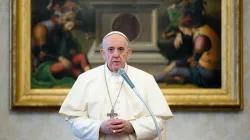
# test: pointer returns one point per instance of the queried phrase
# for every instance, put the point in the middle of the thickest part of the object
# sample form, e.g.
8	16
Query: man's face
115	51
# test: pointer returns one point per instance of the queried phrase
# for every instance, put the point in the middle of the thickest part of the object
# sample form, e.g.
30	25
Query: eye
110	50
121	50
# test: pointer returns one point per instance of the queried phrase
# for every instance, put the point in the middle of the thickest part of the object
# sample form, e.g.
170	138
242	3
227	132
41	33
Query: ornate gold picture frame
227	97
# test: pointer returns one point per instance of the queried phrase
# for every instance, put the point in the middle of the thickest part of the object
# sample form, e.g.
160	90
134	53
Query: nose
116	53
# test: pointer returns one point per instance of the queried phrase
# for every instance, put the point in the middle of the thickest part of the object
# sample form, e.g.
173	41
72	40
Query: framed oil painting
193	48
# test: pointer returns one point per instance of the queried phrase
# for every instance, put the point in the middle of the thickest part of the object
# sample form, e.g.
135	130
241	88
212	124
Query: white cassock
87	104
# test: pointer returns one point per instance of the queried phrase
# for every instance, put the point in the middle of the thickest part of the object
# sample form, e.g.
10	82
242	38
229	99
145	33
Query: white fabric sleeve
84	128
75	110
145	128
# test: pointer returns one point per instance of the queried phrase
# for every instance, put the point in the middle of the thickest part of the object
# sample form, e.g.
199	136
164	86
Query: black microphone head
121	71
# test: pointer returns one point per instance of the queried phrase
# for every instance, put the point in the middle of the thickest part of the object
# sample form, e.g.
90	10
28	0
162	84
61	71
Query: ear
102	53
129	52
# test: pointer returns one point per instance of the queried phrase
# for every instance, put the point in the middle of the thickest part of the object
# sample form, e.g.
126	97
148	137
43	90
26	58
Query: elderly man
101	106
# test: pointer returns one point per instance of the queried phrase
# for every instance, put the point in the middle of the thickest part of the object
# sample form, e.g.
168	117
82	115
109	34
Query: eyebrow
115	47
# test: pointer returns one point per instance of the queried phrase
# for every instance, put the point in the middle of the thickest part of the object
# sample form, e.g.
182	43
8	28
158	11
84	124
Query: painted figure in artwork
204	68
173	44
57	56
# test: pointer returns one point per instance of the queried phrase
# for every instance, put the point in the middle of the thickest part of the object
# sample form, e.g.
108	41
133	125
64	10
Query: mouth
116	62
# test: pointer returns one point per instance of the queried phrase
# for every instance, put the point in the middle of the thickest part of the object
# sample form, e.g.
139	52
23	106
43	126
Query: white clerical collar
110	73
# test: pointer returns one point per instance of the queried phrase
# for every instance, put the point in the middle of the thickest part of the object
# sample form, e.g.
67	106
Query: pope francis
102	106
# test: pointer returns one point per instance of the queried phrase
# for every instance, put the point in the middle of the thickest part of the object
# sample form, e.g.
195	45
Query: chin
116	68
